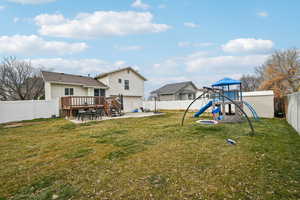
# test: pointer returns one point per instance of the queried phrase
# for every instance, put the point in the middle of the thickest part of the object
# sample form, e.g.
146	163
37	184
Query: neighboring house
175	91
127	82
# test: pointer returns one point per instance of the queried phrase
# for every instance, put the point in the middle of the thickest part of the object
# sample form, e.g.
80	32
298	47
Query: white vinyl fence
11	111
261	101
174	105
293	113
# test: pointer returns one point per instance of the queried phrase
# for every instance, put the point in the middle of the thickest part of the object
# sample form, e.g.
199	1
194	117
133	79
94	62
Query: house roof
226	81
173	88
85	81
119	70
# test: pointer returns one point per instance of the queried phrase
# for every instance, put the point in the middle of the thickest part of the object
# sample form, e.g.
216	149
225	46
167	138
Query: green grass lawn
149	158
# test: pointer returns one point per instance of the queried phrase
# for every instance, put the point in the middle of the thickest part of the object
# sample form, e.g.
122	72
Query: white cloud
46	19
224	63
140	4
203	68
129	48
195	44
77	66
23	20
184	44
191	24
247	45
204	44
2	7
35	45
137	68
31	1
99	23
120	63
263	14
160	81
175	66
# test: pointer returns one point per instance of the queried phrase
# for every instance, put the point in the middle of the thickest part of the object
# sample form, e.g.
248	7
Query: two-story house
127	82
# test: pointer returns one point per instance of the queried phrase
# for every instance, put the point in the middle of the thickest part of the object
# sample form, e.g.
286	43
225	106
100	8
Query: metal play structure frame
208	90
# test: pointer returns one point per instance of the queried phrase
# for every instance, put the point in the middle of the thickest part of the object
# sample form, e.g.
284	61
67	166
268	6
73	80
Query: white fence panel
261	101
174	105
293	113
262	104
11	111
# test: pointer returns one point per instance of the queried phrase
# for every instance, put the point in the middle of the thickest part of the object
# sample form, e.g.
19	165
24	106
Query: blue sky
166	40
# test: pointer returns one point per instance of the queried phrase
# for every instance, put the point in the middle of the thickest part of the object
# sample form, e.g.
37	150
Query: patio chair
80	115
90	114
99	113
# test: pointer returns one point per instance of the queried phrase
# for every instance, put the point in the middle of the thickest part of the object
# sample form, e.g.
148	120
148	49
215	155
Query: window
69	91
102	92
99	92
96	92
120	80
126	86
191	96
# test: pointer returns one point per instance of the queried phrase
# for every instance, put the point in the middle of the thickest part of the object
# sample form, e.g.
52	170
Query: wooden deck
81	102
71	104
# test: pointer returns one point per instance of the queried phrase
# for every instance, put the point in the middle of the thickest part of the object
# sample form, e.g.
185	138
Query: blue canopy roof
226	81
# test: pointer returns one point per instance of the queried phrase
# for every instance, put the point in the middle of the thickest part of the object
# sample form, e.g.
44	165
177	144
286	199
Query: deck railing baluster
69	103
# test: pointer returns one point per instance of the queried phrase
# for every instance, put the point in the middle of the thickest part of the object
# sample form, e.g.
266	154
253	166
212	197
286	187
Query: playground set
226	103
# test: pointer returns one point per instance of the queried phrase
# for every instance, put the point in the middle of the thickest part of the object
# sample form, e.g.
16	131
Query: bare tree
281	72
19	80
250	82
259	73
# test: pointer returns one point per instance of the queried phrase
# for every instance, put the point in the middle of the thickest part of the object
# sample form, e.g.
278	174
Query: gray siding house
175	91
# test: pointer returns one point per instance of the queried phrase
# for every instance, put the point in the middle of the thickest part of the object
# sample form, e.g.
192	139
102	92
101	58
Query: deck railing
70	102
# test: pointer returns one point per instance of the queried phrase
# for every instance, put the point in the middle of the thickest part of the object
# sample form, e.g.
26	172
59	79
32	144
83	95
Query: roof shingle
173	88
119	70
72	79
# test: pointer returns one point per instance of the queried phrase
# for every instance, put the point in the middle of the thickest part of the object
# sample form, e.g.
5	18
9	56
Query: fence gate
280	106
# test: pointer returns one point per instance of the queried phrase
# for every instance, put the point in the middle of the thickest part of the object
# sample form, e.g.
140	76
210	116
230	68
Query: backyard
149	158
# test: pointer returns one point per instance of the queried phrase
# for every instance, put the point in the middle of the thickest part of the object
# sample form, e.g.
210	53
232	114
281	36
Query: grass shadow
91	123
108	133
68	126
157	181
79	153
45	189
125	152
